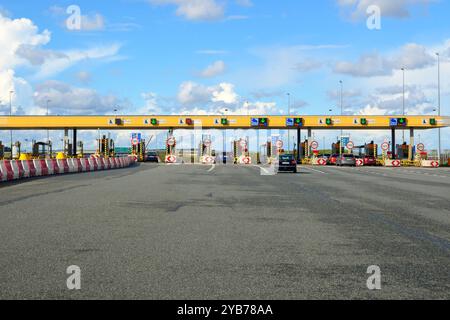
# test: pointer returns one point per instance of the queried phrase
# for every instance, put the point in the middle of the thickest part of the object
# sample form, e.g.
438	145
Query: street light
48	132
342	112
10	114
289	113
403	105
439	105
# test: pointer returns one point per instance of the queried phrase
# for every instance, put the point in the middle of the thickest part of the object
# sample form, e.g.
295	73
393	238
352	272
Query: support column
74	143
193	147
411	144
66	141
309	142
299	145
393	144
224	151
258	148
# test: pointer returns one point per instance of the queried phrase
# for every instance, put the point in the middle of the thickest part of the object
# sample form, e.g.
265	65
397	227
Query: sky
216	56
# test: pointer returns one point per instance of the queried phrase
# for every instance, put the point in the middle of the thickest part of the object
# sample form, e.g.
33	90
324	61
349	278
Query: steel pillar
393	146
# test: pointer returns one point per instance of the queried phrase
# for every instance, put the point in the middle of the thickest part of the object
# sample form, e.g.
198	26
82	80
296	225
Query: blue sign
290	122
136	136
345	140
393	122
255	122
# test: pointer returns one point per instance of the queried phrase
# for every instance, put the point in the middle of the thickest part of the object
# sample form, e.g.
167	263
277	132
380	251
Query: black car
287	163
152	156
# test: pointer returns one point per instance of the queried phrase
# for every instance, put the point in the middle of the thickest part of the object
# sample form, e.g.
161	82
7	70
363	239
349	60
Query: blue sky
197	56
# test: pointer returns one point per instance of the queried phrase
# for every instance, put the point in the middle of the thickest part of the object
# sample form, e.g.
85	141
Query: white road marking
212	168
315	170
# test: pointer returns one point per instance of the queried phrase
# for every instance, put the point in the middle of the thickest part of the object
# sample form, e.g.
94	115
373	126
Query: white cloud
66	99
83	76
411	56
389	8
92	22
213	70
225	93
200	10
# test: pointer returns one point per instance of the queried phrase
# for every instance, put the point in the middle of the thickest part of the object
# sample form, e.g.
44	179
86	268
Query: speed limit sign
385	146
421	147
207	142
350	145
279	144
243	144
171	141
314	145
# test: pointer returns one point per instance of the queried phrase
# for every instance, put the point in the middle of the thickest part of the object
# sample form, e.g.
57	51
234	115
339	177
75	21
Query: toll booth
335	148
138	150
80	149
2	150
41	150
105	147
403	151
371	149
15	152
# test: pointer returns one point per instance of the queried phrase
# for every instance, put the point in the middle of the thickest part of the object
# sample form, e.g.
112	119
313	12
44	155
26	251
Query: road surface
227	232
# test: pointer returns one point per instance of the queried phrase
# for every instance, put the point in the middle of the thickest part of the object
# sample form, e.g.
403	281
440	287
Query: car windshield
348	156
286	157
152	154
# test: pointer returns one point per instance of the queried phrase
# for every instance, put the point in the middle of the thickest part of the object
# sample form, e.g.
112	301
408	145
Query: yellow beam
210	122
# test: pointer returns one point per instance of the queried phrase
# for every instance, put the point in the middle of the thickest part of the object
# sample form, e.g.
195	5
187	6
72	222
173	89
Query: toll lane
189	232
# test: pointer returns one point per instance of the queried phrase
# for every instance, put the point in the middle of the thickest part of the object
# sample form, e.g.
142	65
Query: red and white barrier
359	162
30	169
171	159
429	164
392	163
19	169
7	171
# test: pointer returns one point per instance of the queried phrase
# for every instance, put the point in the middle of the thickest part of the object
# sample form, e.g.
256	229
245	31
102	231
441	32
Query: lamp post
289	113
403	103
48	132
342	112
10	114
439	105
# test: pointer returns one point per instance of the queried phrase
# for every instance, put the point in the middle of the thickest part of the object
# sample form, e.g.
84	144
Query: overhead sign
345	140
314	145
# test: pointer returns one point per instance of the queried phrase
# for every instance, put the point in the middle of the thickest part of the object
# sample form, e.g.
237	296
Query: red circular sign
279	144
385	146
134	141
420	147
314	145
171	142
207	142
350	145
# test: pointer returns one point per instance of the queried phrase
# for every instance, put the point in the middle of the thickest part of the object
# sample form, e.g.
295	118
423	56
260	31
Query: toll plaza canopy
148	122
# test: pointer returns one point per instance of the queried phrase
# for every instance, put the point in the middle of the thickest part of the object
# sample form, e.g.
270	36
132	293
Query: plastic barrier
7	171
52	166
429	164
41	167
392	163
18	170
85	164
64	165
359	162
170	159
100	163
30	169
94	163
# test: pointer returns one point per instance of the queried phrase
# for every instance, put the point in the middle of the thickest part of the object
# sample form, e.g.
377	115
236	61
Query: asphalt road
203	232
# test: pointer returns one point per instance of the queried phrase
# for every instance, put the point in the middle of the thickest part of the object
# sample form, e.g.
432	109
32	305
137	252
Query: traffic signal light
261	122
154	122
329	121
189	121
433	122
364	121
394	122
402	121
224	121
298	122
118	122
